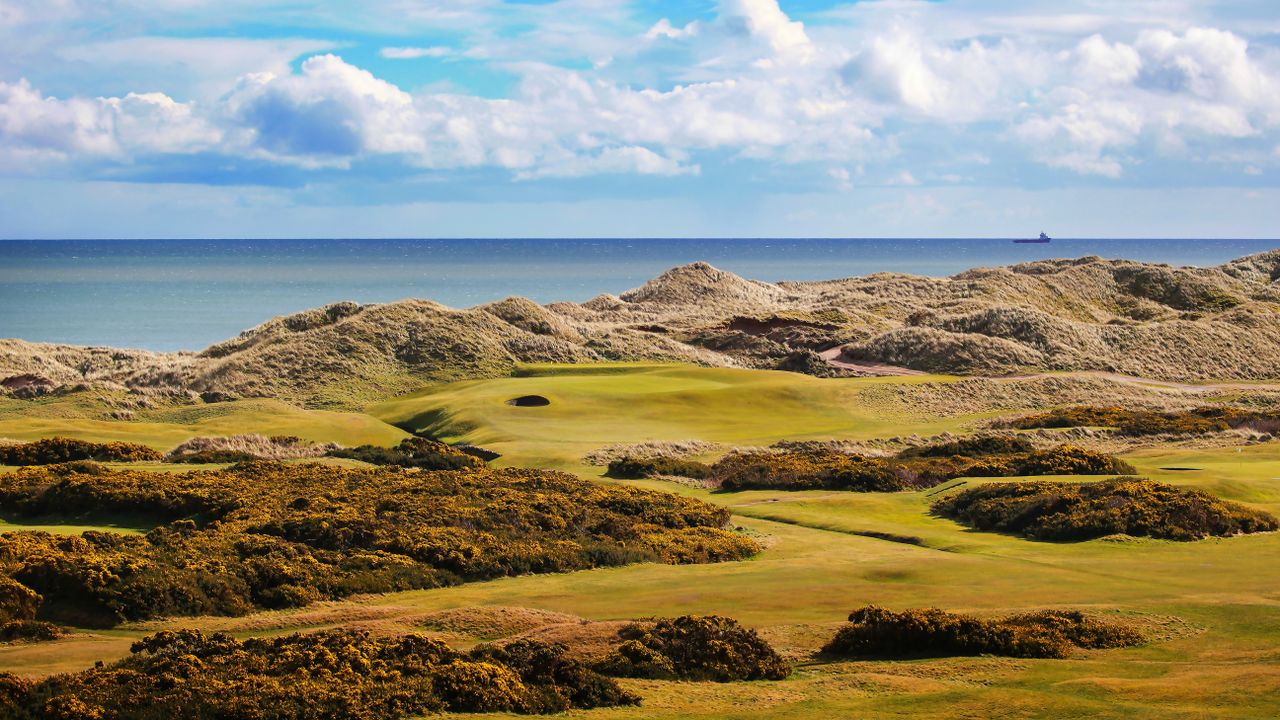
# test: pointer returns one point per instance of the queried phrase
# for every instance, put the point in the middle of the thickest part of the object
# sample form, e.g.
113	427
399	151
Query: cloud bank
889	93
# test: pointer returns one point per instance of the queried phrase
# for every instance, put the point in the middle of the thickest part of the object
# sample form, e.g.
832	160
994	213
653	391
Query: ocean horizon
170	295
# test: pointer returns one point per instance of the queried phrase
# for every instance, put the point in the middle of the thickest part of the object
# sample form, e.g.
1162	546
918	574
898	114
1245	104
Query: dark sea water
187	294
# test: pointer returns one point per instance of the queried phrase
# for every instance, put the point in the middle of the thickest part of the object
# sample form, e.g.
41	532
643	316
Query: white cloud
765	20
904	178
414	53
628	160
883	92
1100	62
331	110
149	123
961	83
664	29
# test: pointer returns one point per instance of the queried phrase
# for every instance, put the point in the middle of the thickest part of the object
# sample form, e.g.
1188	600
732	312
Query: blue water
187	294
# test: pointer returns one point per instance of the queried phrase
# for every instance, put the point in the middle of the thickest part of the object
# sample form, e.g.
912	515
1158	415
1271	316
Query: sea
188	294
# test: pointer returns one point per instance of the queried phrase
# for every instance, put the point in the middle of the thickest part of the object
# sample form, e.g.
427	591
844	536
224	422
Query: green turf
165	428
1213	607
594	406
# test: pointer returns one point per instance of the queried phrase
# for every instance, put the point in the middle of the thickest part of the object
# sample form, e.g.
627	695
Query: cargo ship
1042	239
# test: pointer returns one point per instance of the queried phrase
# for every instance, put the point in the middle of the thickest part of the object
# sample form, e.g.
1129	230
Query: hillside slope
1156	321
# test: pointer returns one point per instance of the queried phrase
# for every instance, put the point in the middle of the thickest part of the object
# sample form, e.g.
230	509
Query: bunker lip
529	401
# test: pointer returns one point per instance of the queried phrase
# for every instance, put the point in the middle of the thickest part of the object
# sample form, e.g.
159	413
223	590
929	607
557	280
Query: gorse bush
29	631
1083	511
975	447
629	468
875	632
270	535
412	453
1062	460
825	469
1197	421
60	450
694	647
331	675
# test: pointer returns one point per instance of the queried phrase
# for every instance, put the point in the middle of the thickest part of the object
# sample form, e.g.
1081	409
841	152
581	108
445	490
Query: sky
604	118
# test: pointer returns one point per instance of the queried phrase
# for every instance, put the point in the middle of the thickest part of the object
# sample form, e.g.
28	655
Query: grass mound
335	675
1084	511
239	448
694	647
413	453
913	469
270	535
879	633
55	450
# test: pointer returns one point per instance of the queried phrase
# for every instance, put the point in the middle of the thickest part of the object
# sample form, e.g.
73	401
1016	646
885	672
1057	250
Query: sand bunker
529	401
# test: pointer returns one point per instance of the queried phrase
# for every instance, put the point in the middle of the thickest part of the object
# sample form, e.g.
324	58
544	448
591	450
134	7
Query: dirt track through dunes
832	358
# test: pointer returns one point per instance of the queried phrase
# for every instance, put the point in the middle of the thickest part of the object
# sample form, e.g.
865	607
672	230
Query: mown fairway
1213	606
593	406
83	419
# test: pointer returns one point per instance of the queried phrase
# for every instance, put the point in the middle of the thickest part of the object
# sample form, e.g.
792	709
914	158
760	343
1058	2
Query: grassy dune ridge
1150	320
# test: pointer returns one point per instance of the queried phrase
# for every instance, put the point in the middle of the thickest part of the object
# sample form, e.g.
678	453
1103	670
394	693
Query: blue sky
462	118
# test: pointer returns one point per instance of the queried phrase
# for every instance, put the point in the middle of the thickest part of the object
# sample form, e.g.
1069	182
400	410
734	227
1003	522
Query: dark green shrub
879	633
694	647
50	451
213	457
629	468
412	453
1062	460
974	447
827	470
1197	421
1083	511
29	631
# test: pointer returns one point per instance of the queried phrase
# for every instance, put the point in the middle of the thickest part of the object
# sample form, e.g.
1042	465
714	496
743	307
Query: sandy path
832	358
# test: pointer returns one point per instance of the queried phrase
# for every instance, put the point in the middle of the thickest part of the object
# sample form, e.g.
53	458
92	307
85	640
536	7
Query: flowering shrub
913	469
60	450
330	675
875	632
1197	421
271	535
629	468
694	647
1082	511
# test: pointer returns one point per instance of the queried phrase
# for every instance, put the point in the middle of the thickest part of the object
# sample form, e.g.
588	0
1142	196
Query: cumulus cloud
753	84
765	20
149	123
329	110
1173	89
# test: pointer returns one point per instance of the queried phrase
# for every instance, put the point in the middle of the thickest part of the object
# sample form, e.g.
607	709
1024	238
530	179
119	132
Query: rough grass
252	446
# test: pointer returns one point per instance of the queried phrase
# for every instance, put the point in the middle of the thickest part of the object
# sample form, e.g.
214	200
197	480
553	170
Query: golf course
1208	610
